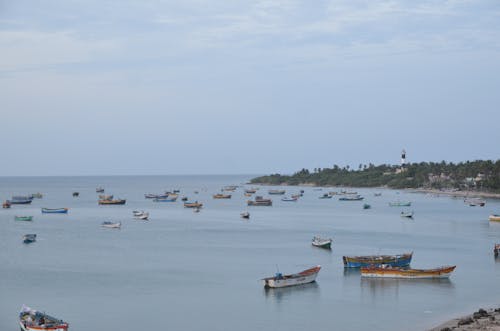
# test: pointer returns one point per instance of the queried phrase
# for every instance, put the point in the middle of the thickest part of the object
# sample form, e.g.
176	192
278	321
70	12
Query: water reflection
284	293
381	287
352	272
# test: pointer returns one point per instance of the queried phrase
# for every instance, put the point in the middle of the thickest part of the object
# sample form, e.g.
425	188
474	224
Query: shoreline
483	319
463	194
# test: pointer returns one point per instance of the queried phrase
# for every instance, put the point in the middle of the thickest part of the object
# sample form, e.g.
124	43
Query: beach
483	319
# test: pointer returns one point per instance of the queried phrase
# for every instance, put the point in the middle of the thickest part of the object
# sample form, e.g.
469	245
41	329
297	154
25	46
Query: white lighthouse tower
403	159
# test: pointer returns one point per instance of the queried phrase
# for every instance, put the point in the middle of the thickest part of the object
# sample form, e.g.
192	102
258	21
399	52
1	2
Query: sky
245	87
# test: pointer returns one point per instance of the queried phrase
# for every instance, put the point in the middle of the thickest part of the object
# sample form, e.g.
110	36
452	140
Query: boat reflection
390	287
352	272
284	293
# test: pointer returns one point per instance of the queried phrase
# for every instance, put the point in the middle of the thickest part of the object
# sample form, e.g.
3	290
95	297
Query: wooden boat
230	188
260	201
111	225
400	204
325	196
76	194
385	271
55	210
105	197
33	320
245	215
407	214
322	242
251	191
20	200
154	196
401	260
221	196
366	206
303	277
99	190
6	204
289	199
496	249
195	204
113	202
141	215
277	192
351	197
23	218
247	194
166	199
29	238
494	218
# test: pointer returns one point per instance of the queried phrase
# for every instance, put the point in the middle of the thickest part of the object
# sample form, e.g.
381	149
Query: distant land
476	176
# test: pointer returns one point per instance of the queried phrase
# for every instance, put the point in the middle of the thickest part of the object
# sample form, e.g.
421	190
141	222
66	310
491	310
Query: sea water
201	271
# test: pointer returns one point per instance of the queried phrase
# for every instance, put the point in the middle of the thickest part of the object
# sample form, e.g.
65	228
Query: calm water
183	270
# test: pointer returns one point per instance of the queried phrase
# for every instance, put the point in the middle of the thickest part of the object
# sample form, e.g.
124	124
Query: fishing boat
111	225
195	204
99	190
105	197
289	199
76	194
251	190
55	210
230	188
6	204
112	202
400	204
247	194
260	201
154	196
496	249
277	192
366	206
322	242
166	199
23	218
303	277
29	238
184	199
401	260
385	271
33	320
407	214
351	197
245	215
221	196
144	216
20	200
325	196
494	218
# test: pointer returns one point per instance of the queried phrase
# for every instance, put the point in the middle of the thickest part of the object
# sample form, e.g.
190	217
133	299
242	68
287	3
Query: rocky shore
484	320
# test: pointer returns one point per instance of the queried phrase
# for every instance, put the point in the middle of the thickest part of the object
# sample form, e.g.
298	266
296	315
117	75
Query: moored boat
166	199
303	277
141	215
221	196
105	197
195	204
322	242
36	195
112	202
385	271
325	196
289	199
277	192
366	206
20	200
33	320
230	188
99	190
400	260
494	218
351	197
245	215
111	225
55	210
407	214
260	201
251	190
496	250
23	218
76	194
6	204
29	238
400	204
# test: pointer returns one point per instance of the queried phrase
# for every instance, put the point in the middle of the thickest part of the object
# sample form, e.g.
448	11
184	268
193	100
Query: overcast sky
213	87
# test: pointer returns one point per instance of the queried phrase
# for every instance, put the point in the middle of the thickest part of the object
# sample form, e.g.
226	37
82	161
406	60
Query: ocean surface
201	271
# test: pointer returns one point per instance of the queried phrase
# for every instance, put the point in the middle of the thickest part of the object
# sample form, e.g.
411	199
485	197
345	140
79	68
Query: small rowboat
289	199
142	215
99	190
303	277
6	204
401	260
113	202
350	197
23	218
166	199
20	200
29	238
277	192
245	215
494	218
325	196
111	225
55	210
407	214
195	204
222	196
33	320
250	191
394	272
322	242
366	206
496	249
76	194
400	204
105	197
260	201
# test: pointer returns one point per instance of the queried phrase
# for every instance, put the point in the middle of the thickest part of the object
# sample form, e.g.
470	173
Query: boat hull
376	272
494	218
55	211
304	277
377	260
112	202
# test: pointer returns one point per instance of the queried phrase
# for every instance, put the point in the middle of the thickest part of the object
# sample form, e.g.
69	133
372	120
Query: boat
23	218
34	320
111	225
154	196
400	260
496	249
230	188
105	197
247	194
277	192
474	202
251	190
184	199
260	201
76	194
322	242
6	204
351	197
20	200
55	210
141	215
289	199
377	194
400	204
112	202
245	215
385	271
37	195
29	238
407	214
366	206
221	196
494	218
195	204
325	196
303	277
99	190
166	199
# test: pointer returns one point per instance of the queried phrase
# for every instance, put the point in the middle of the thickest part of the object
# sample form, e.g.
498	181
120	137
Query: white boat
407	214
141	215
303	277
289	199
34	320
322	242
111	225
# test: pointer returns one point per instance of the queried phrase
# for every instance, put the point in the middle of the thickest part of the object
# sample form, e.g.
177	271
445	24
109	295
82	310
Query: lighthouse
403	159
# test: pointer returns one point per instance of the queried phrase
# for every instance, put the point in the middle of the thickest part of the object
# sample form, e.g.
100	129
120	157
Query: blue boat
402	260
20	200
54	210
